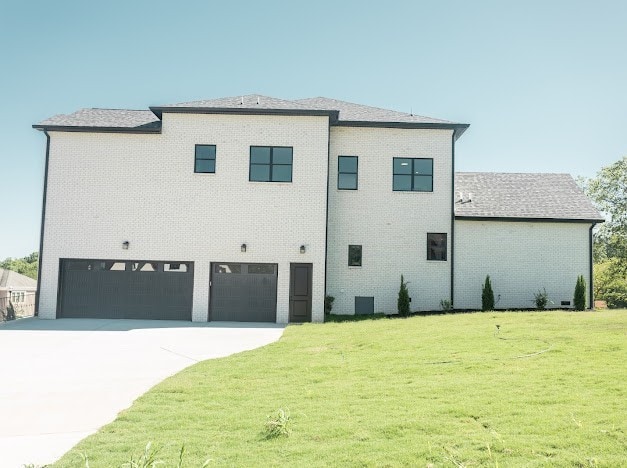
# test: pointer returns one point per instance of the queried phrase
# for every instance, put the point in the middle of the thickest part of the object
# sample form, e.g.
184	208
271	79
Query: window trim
361	255
445	259
196	158
270	164
343	172
412	175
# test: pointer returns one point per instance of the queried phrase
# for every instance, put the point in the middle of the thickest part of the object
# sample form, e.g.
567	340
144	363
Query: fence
24	306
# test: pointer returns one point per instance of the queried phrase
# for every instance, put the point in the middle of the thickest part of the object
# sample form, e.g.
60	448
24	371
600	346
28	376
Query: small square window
354	255
436	246
205	159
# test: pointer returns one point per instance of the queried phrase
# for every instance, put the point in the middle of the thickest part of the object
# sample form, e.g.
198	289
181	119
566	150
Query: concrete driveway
61	380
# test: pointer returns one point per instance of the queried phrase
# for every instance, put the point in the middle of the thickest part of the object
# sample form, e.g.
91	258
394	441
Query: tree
580	293
608	191
403	299
487	295
26	266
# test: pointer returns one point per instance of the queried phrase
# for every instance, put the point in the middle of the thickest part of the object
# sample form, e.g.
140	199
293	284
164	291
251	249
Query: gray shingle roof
359	113
150	119
517	195
105	118
11	279
251	101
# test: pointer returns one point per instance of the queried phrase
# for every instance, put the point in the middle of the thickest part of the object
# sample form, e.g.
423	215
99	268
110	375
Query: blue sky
542	83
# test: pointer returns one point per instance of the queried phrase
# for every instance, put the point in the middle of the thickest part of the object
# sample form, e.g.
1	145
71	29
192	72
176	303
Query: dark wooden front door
300	292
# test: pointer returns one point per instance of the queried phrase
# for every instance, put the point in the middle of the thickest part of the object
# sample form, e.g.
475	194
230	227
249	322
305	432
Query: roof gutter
458	129
71	128
43	219
160	110
452	242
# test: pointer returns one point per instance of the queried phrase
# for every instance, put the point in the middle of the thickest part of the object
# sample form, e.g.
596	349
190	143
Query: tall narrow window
270	164
205	160
413	175
436	246
347	172
354	255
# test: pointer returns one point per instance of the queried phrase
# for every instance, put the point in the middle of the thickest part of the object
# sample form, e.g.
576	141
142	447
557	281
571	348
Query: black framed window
354	255
347	172
270	164
413	175
205	159
436	246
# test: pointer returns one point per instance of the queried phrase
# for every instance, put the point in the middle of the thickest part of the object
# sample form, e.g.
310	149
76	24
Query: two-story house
253	208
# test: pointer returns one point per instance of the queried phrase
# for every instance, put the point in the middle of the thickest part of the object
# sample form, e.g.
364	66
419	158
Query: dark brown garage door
122	289
243	292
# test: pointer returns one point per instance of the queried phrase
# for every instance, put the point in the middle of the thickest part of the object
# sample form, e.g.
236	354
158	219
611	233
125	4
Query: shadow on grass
332	318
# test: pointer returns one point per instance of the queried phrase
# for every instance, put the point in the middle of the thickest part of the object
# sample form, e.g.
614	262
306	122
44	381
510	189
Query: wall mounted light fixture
125	245
303	249
243	248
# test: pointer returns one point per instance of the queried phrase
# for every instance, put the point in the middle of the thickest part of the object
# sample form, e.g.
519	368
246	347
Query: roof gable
522	196
14	280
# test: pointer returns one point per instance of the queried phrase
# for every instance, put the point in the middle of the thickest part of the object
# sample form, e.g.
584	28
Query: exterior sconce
125	245
243	248
303	249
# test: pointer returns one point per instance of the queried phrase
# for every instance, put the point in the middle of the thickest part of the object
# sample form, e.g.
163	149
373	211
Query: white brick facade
391	226
107	188
521	259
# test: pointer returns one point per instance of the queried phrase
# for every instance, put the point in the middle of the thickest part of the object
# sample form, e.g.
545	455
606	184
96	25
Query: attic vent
242	101
257	100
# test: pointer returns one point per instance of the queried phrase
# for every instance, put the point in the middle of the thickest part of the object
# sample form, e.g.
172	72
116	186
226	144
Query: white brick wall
104	189
391	226
521	259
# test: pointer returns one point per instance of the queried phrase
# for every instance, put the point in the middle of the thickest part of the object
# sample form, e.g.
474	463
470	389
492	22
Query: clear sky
542	83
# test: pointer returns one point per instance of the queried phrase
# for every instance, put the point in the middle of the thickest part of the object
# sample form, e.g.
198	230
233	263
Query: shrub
328	304
403	299
610	285
487	295
541	298
446	305
278	424
580	294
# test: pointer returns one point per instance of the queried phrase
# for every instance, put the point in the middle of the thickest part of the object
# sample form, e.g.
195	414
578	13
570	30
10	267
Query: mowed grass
545	389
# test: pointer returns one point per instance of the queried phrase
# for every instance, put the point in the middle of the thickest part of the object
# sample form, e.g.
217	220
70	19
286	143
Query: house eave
458	128
528	219
158	111
92	129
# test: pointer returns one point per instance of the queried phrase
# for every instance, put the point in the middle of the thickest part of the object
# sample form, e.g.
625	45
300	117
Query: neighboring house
18	291
252	208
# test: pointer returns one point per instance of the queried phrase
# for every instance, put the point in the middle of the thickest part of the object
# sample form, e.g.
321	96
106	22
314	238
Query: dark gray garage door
126	289
243	292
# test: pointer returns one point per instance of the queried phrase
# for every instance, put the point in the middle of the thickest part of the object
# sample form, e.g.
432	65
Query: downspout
326	233
452	242
41	231
591	261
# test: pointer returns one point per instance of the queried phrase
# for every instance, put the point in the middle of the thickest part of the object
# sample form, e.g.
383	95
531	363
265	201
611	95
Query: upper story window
413	174
354	255
347	172
436	246
270	164
205	159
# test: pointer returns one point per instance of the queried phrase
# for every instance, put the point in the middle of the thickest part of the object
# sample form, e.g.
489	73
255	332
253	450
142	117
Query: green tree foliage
403	299
608	286
26	266
580	293
608	191
487	295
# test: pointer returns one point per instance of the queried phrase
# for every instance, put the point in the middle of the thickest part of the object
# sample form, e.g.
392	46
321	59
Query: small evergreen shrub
541	298
446	305
580	293
487	295
403	299
328	304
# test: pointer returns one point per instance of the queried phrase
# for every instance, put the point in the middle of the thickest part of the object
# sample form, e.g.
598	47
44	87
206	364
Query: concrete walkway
61	380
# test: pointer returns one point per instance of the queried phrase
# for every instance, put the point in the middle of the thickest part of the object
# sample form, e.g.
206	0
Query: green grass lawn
549	389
